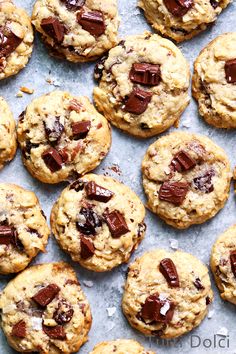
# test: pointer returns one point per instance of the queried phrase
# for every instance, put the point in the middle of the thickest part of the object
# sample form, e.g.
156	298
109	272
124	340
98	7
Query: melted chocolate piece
178	8
54	132
230	71
182	162
99	67
52	159
96	192
138	101
87	248
198	284
151	310
233	262
63	313
169	271
80	129
173	192
8	42
6	235
53	28
208	300
27	149
73	5
145	74
46	295
204	182
92	21
116	223
214	3
90	223
56	332
77	185
19	329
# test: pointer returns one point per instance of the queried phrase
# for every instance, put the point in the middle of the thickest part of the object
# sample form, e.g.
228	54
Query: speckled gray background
128	152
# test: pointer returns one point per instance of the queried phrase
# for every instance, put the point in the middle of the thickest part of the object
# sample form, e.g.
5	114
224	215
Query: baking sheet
104	291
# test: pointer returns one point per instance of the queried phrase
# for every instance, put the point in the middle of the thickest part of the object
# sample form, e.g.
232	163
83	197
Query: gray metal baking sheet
104	291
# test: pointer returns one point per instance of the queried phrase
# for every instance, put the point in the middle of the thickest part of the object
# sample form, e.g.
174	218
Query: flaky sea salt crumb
174	244
223	331
111	311
88	283
210	314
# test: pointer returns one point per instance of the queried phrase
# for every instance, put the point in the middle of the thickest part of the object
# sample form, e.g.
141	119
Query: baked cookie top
8	143
44	310
143	85
62	136
23	228
16	39
99	222
78	30
182	19
214	81
166	294
120	346
186	178
223	264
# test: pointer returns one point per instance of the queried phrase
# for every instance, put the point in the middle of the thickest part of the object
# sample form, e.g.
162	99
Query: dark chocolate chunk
178	8
53	131
182	162
19	329
204	182
99	67
77	185
138	101
52	159
6	235
214	3
116	223
63	313
173	192
73	5
145	74
16	241
56	332
80	129
8	42
230	71
27	149
92	21
151	310
75	106
198	284
233	262
96	192
89	221
21	116
46	295
53	28
208	300
87	248
169	271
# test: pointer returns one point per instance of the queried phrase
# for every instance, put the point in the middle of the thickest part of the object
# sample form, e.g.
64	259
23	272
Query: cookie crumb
26	90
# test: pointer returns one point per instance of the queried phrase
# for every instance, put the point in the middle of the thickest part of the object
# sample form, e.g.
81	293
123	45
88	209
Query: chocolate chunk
16	241
75	106
8	42
214	3
52	159
88	222
145	74
178	8
92	21
152	308
96	192
204	182
19	329
80	129
197	283
138	101
182	162
27	149
169	271
63	313
77	185
87	248
116	223
173	192
56	332
53	129
230	71
73	5
6	235
208	300
99	67
233	262
46	295
53	28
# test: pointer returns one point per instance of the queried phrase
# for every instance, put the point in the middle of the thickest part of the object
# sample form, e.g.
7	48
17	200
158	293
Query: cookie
77	30
8	143
223	264
143	87
44	310
99	222
214	81
120	346
166	294
16	39
182	19
186	178
62	137
23	229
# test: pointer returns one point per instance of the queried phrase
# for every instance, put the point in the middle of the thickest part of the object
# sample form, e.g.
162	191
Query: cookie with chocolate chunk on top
99	222
186	178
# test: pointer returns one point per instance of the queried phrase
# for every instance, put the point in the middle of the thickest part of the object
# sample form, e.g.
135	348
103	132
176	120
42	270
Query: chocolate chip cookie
16	39
99	222
143	87
8	143
182	19
23	228
120	346
214	81
186	178
44	310
62	137
166	294
223	264
78	30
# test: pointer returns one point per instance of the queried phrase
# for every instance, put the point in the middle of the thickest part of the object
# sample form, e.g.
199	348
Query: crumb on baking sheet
26	90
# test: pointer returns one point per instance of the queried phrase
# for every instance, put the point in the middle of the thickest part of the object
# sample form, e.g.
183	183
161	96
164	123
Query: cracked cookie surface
77	30
186	178
99	222
44	310
166	294
143	87
214	81
62	136
120	346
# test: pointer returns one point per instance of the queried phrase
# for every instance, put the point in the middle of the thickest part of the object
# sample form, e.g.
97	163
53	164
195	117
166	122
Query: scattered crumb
111	311
26	90
53	82
19	94
210	314
174	244
223	331
111	326
113	168
88	283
